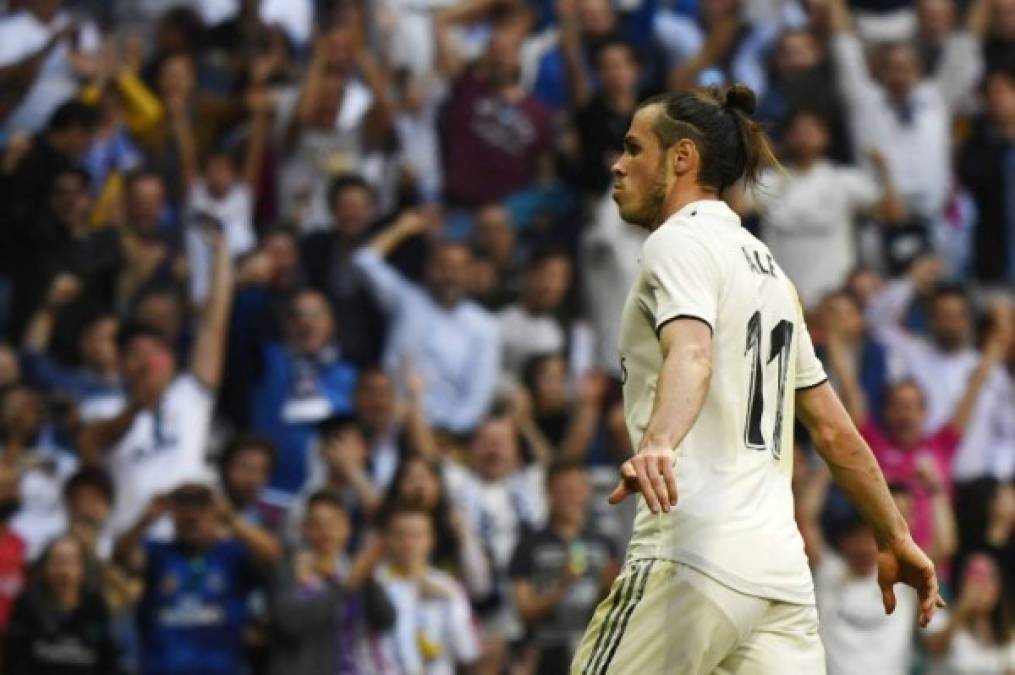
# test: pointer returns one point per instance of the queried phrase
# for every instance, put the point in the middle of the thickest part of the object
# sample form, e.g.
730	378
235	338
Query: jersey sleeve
809	371
684	277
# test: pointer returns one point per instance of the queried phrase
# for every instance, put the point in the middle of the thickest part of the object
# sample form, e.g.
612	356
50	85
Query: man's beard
648	216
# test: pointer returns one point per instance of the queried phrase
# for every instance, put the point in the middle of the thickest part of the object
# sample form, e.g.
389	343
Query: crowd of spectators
309	310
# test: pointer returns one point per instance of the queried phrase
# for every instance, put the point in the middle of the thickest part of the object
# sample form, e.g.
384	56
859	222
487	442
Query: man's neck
679	198
567	529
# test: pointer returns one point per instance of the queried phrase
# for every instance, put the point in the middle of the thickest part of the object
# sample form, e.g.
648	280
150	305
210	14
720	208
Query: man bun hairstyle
741	97
732	146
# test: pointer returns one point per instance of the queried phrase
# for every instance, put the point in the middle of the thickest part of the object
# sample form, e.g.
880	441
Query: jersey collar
711	210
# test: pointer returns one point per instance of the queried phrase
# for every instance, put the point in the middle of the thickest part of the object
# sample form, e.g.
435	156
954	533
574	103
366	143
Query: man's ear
685	157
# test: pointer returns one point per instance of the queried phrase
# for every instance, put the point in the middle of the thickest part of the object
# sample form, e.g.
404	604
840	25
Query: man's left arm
686	345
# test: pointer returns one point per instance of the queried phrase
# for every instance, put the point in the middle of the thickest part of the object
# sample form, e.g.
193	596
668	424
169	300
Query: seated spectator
974	636
809	209
160	435
194	608
328	613
303	381
453	343
342	469
418	483
434	630
561	573
95	383
943	363
60	626
498	137
901	445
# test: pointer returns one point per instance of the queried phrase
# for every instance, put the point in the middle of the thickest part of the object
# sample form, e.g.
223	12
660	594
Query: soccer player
716	359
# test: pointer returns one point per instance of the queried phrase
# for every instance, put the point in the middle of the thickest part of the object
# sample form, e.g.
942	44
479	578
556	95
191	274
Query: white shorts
663	617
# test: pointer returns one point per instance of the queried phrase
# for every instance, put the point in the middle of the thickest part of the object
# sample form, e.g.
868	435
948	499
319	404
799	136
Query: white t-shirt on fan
163	448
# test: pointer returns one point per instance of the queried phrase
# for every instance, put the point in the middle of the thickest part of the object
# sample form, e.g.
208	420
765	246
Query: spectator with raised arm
196	586
329	614
809	209
498	136
304	380
906	112
454	343
161	433
434	629
95	383
502	498
859	638
717	46
419	484
903	447
943	363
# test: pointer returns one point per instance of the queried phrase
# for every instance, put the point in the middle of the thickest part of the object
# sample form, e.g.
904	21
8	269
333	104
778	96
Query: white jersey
163	448
734	518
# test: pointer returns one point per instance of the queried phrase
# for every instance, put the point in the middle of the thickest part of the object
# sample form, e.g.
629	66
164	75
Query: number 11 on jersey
780	339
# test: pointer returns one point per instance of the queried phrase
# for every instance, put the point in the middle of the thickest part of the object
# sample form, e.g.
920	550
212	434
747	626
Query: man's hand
904	562
63	290
649	472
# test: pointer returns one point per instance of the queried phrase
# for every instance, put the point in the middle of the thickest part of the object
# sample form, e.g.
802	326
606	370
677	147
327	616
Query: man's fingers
671	481
888	598
646	488
619	493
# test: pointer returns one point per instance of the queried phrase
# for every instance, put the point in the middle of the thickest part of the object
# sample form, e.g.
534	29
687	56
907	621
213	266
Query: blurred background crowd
308	314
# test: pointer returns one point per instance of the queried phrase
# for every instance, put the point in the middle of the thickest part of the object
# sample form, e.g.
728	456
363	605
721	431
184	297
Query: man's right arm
856	471
387	284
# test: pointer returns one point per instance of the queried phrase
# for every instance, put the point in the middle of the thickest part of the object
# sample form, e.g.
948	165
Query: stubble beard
647	216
